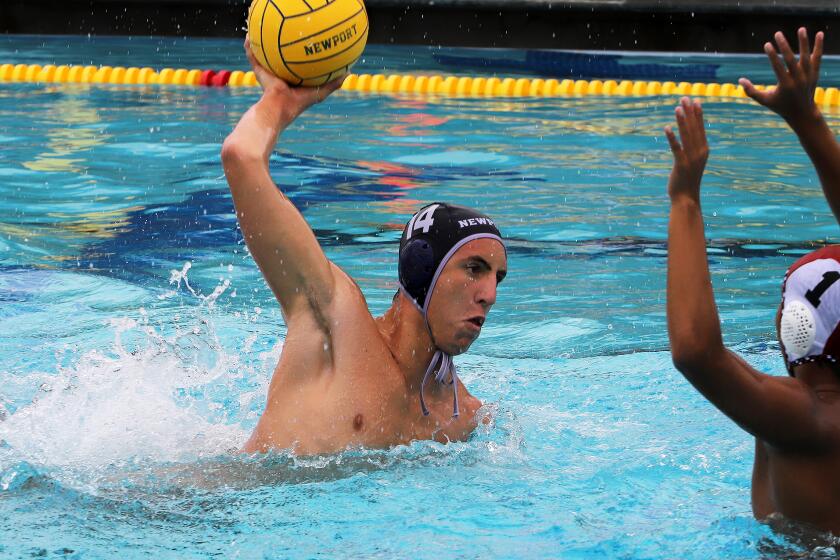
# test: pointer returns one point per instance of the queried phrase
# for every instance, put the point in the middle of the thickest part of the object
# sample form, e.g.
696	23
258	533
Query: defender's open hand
293	100
793	96
690	151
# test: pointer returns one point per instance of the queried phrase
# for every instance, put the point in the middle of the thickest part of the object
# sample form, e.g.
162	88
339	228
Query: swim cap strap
454	383
446	366
448	256
411	299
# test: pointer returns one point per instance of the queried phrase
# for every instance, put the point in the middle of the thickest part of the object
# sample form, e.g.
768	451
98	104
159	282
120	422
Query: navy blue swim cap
430	239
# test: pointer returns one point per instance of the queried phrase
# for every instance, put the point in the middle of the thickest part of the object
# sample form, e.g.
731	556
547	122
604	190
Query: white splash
179	277
153	396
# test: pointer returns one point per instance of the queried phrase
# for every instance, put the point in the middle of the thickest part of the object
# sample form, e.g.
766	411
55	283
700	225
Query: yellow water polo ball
307	42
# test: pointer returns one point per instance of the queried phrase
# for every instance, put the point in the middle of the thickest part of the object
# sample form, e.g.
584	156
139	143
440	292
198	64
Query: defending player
795	420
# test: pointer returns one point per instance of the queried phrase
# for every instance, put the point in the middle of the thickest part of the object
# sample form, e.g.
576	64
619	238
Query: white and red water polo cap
811	308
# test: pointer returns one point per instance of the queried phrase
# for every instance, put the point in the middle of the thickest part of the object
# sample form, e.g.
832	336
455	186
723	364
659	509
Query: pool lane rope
454	86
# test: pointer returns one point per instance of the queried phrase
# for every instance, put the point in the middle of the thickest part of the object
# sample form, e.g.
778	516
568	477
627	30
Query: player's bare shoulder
348	308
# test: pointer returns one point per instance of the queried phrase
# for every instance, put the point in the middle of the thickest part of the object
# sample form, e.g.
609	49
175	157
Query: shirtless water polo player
346	378
796	419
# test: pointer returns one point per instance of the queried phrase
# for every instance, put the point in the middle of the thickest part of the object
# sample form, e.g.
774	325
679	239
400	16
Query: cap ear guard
417	265
797	330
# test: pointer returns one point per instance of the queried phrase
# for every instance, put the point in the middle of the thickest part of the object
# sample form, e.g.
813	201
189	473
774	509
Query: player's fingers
333	85
683	125
672	140
698	119
816	55
787	53
776	63
751	91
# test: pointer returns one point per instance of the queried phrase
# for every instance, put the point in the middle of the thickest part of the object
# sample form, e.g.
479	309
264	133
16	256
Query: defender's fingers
696	109
746	84
804	50
787	53
681	113
685	104
694	136
698	121
691	135
684	127
759	97
816	56
688	106
672	140
776	63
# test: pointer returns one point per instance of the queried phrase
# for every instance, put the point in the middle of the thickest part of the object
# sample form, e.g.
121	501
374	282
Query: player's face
464	294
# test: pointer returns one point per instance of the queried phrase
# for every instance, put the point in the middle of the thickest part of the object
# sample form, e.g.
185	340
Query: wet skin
356	382
800	482
795	420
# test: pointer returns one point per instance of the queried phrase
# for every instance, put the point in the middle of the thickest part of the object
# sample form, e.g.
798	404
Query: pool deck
647	25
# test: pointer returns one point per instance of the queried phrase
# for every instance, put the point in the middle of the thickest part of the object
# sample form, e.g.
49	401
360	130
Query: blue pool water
137	337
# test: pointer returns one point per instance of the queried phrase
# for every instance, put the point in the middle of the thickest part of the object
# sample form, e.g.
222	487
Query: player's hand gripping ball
307	42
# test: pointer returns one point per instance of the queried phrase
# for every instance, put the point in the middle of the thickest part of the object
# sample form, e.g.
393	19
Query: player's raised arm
793	100
280	240
777	410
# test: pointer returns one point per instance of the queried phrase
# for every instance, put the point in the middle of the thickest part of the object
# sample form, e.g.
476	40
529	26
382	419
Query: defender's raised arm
793	100
777	410
280	240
